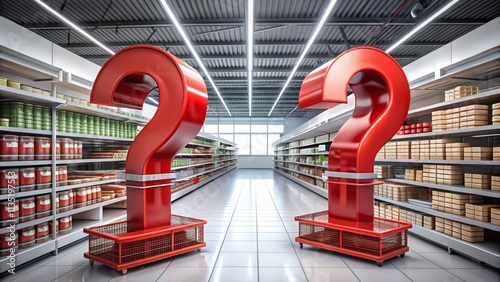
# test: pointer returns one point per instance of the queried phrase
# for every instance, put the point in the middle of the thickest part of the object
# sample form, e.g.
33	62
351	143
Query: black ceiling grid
282	29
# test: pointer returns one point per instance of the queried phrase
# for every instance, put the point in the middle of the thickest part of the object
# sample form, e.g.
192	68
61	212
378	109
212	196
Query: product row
458	230
465	117
28	148
438	149
29	236
17	85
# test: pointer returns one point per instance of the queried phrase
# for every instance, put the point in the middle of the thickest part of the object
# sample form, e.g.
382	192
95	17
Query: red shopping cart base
111	245
378	240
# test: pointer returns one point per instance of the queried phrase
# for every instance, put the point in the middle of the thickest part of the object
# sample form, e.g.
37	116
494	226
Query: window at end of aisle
243	141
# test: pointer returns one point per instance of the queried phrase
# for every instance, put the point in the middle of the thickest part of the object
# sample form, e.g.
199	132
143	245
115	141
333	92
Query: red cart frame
378	241
111	245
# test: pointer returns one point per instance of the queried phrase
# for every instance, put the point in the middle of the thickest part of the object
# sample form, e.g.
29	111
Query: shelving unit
220	160
487	251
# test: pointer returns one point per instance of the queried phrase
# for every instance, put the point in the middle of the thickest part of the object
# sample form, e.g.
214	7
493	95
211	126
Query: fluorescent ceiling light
191	48
306	49
250	53
153	100
421	25
74	26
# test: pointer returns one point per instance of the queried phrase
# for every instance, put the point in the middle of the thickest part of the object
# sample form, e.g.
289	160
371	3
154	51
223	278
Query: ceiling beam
241	56
243	43
259	22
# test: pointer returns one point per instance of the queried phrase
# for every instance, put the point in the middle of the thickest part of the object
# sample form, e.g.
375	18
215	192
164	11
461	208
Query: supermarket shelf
452	188
181	193
450	216
211	137
25	255
26	96
94	111
25	131
109	216
76	186
197	155
19	226
24	163
315	165
82	161
201	173
93	137
306	154
200	164
300	172
476	131
320	191
27	194
90	207
488	96
443	162
486	252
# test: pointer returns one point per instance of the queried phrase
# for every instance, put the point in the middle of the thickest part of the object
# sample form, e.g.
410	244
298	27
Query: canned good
42	148
65	222
27	179
9	210
71	196
9	148
3	81
43	203
43	177
9	178
27	237
63	172
4	122
98	192
50	226
89	195
67	149
8	240
27	206
81	195
63	198
13	84
37	90
58	148
26	151
42	232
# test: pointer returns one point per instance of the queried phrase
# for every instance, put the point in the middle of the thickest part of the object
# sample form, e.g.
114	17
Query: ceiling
282	28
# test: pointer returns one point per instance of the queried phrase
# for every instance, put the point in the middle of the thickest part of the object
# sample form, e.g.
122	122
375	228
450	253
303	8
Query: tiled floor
250	237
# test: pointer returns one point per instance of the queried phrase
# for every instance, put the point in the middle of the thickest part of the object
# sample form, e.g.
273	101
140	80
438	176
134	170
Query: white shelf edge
181	193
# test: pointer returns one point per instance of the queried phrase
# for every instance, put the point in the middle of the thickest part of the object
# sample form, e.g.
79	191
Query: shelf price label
126	80
382	99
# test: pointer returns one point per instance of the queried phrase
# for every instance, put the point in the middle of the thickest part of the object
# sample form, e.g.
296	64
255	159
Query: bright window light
193	51
74	26
421	25
306	49
250	53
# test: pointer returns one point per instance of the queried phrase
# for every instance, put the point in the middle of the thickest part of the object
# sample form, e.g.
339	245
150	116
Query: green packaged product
3	81
28	110
4	122
37	111
16	108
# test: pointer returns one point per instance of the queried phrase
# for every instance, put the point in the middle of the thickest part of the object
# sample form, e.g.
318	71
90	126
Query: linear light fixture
306	49
191	48
74	26
421	25
250	21
153	100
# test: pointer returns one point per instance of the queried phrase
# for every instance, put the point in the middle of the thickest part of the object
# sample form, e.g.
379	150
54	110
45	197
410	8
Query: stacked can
46	119
105	127
61	120
90	123
37	117
97	126
84	124
28	116
76	122
112	128
70	122
17	115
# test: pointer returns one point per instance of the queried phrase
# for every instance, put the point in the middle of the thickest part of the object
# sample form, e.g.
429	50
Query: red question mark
382	95
125	80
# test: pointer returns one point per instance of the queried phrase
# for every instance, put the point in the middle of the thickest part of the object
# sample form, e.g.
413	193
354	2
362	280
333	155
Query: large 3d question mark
382	100
125	80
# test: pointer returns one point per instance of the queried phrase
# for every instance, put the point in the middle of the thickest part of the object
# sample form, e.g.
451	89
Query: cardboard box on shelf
455	151
495	183
477	181
495	216
496	153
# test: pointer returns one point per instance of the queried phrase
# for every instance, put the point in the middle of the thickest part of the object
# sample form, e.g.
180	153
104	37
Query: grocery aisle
250	237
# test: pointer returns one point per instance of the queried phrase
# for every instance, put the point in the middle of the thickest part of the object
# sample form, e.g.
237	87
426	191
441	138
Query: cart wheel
402	255
301	245
124	271
199	250
380	264
91	262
